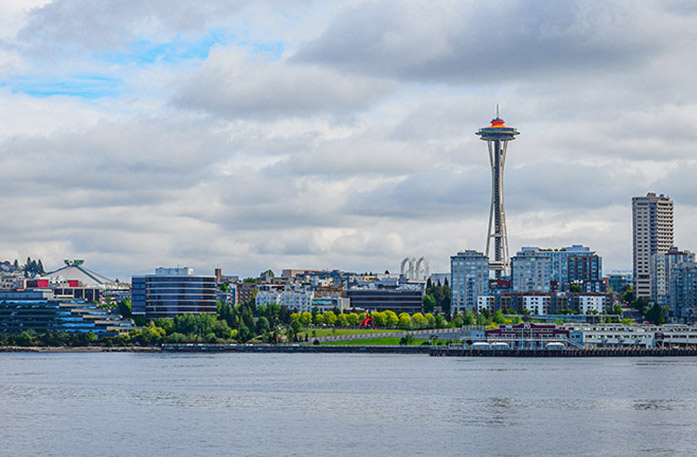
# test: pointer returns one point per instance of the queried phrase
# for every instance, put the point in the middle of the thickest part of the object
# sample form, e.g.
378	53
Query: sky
249	135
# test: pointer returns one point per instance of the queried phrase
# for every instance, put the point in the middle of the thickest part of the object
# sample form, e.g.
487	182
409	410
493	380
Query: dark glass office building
383	299
173	291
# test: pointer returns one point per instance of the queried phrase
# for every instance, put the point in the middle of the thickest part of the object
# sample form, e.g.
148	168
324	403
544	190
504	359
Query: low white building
267	294
537	304
297	297
614	335
485	302
588	303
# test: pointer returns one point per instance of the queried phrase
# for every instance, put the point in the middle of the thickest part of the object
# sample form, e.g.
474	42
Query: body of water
124	404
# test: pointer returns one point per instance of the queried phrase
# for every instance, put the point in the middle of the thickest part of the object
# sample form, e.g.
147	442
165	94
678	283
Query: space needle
497	136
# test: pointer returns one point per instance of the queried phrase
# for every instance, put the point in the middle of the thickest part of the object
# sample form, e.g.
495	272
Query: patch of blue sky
84	86
274	49
145	52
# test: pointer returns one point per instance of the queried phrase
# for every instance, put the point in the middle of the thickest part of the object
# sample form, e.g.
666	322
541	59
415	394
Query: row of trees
31	338
383	319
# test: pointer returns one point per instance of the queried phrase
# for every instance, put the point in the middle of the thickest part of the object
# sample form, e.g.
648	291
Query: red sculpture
367	321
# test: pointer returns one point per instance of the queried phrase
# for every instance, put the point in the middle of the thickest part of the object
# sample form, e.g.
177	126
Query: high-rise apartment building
555	270
531	270
652	221
469	278
661	265
683	292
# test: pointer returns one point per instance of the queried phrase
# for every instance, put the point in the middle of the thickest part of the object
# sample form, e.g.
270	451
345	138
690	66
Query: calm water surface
73	404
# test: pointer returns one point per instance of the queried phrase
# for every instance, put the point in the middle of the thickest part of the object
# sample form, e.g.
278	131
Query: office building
173	291
405	298
652	222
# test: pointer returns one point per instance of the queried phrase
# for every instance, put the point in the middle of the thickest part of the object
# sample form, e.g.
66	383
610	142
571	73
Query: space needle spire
497	136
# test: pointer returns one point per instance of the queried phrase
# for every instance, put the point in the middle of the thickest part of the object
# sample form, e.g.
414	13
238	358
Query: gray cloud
486	42
355	146
234	85
109	24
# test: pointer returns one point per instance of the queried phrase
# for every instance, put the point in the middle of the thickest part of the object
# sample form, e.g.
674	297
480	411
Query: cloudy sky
312	134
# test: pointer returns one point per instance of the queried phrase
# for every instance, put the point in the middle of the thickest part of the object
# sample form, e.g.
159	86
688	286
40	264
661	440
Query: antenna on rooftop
497	110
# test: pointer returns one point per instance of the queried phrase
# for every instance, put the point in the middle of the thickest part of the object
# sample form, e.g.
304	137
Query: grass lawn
340	331
386	341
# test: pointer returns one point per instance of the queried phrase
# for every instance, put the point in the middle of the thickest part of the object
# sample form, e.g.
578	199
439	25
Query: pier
460	351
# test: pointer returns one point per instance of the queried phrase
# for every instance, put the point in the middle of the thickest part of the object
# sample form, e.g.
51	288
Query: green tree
428	305
404	321
391	319
353	319
319	319
166	324
26	338
244	334
430	320
628	295
446	303
263	326
482	319
440	321
380	318
306	318
273	312
575	288
125	307
656	315
468	318
342	320
330	318
419	320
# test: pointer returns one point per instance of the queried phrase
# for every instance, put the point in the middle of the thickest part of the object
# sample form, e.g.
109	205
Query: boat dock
460	351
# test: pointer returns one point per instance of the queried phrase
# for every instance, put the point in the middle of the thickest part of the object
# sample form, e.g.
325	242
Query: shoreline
437	351
79	349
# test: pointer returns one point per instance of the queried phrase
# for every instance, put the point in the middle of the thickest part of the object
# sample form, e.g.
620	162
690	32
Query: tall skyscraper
652	221
497	136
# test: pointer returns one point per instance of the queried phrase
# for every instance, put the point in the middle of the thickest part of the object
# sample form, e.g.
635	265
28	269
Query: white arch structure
415	270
